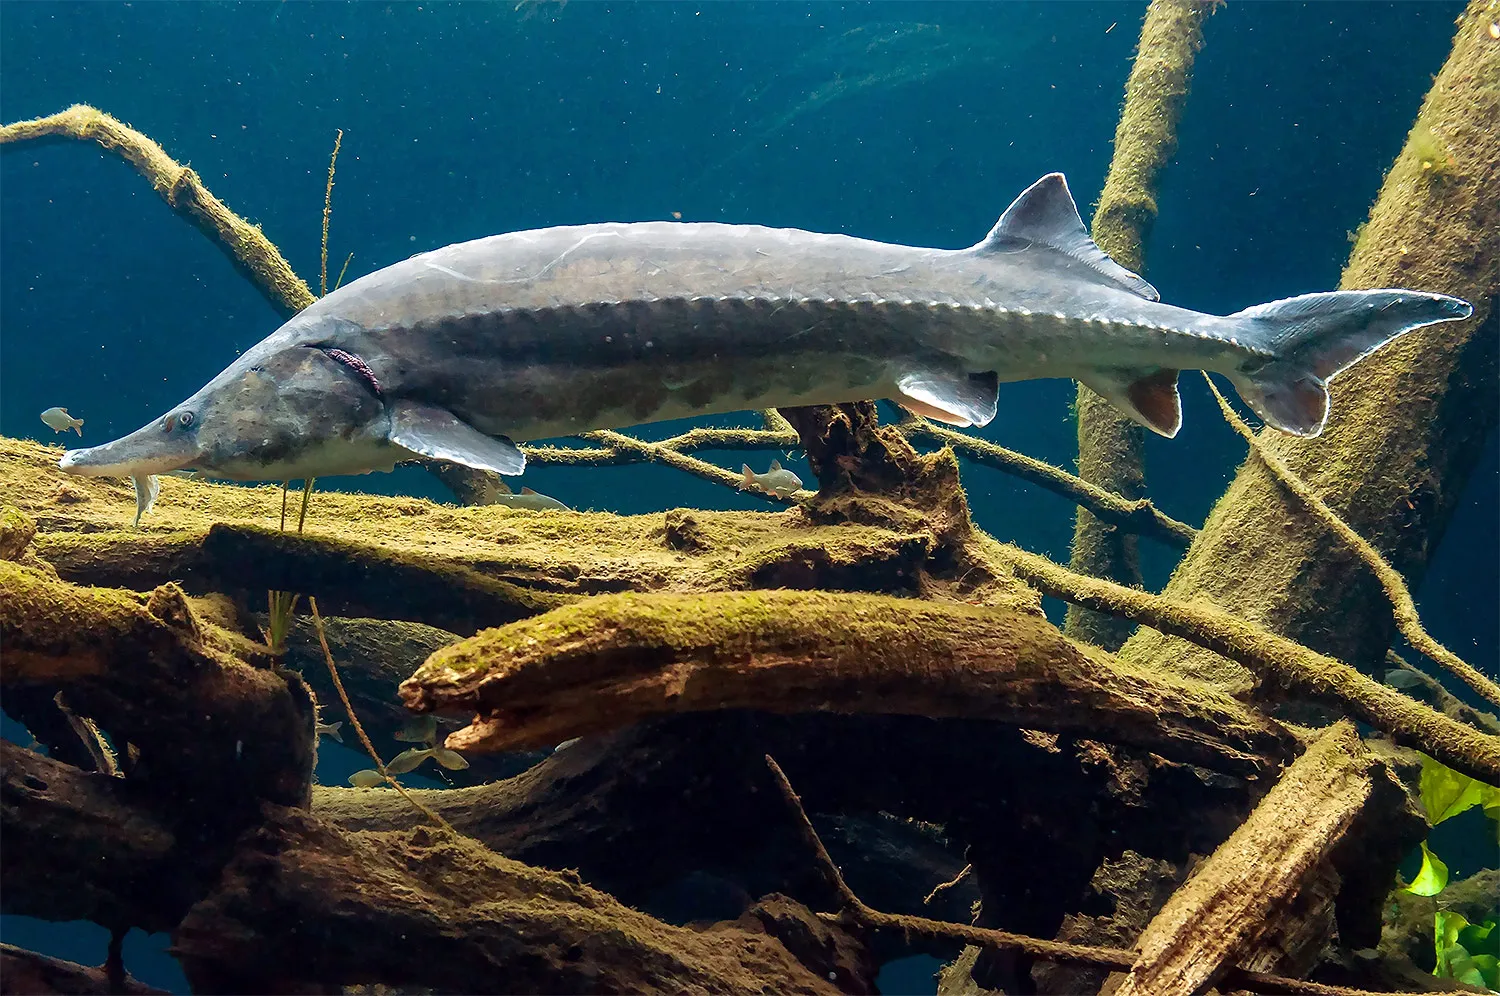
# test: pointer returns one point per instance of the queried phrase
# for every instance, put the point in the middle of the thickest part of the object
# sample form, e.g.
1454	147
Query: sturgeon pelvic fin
437	433
1313	337
956	399
1148	396
1045	214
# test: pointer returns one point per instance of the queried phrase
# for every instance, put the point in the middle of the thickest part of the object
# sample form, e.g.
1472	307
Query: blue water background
906	122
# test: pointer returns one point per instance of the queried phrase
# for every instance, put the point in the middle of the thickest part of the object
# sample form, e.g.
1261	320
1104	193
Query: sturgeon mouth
145	451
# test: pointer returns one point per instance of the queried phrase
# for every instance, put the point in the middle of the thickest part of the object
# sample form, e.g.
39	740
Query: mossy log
1111	447
156	677
27	973
1250	888
613	660
304	904
1407	425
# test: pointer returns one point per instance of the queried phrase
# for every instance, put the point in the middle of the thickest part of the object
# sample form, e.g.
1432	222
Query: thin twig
307	486
359	728
333	162
343	270
945	886
284	486
1403	606
1138	515
853	910
87	731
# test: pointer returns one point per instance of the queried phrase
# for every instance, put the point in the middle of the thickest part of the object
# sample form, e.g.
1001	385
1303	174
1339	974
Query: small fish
532	500
367	779
1398	677
331	730
777	481
418	730
410	760
58	420
566	744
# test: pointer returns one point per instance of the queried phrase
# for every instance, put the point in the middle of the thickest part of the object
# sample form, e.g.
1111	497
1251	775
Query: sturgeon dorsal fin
1045	214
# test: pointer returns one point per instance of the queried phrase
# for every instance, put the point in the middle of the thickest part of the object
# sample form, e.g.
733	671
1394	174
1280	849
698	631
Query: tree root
614	660
1402	604
27	972
1296	668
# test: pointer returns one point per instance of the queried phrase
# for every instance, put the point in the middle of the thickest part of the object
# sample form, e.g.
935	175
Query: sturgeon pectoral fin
955	399
1045	214
1148	396
437	433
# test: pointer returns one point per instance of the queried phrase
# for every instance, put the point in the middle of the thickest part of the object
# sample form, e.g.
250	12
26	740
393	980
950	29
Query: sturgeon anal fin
1148	396
956	399
437	433
1045	214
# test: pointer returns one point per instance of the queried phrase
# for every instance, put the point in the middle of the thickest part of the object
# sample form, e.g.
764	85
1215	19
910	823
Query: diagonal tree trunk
1110	445
1407	425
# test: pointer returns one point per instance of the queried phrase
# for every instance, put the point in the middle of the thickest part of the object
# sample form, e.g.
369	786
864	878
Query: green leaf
1446	793
1489	970
1481	938
1431	879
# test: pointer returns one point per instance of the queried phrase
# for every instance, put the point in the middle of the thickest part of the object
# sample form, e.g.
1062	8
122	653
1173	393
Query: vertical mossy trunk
1110	445
1408	424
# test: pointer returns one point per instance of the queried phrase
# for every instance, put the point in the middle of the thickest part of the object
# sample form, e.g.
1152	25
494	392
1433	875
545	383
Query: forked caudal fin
1313	337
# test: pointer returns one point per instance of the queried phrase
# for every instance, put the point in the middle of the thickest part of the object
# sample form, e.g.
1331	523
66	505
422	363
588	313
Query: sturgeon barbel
458	353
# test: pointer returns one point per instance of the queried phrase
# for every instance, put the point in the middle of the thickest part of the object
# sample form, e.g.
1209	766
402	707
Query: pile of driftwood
811	739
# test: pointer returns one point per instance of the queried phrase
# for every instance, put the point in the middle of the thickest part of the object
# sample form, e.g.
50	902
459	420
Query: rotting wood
425	908
151	674
1238	896
617	659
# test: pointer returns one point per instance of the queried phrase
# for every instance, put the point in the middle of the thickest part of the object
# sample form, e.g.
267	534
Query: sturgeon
459	353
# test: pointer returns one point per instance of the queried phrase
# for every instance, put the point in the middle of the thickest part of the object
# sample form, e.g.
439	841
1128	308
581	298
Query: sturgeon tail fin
1313	337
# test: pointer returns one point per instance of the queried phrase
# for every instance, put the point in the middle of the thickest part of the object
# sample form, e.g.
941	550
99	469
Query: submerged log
603	663
1270	878
27	973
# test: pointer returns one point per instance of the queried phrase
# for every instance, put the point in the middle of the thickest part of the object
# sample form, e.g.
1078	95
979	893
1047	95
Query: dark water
912	123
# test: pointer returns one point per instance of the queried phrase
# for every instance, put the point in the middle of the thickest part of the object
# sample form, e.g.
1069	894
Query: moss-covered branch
247	247
1291	666
1111	447
615	660
1407	425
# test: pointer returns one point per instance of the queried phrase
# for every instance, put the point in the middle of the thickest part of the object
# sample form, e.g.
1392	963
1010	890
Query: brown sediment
1111	446
1407	424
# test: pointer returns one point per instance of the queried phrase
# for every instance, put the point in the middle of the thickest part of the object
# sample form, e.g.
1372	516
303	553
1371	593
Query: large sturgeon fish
458	353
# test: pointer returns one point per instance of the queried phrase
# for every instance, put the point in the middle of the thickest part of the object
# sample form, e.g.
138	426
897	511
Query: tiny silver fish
368	778
777	481
531	500
331	730
1398	677
147	487
58	420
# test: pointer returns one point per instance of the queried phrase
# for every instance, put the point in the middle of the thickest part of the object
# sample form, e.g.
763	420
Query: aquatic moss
1111	446
1407	424
16	531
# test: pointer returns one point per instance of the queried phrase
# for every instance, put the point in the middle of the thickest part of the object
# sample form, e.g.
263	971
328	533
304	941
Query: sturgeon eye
177	420
184	420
